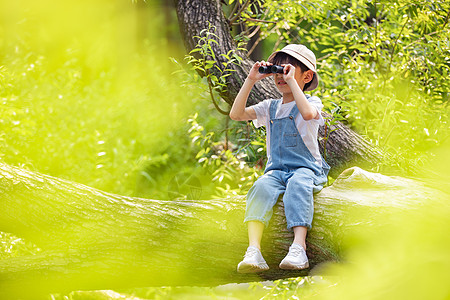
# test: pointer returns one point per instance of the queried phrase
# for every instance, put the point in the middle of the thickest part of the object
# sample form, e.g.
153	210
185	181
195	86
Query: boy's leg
299	207
298	199
260	201
262	197
300	235
255	231
253	260
296	259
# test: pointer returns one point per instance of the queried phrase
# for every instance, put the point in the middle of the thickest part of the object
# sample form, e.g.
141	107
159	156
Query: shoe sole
289	266
247	268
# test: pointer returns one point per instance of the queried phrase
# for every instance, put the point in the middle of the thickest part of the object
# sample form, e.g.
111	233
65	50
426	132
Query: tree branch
241	9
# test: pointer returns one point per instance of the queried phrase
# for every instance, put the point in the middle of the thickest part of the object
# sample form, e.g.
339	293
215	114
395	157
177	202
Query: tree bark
90	239
344	147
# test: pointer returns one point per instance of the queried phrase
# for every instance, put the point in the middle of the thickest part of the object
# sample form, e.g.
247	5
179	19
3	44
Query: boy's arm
239	111
306	109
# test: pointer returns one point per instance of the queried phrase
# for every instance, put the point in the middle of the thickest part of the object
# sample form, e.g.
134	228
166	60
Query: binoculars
271	69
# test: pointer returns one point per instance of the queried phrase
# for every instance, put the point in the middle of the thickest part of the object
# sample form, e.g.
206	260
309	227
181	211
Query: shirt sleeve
317	103
262	113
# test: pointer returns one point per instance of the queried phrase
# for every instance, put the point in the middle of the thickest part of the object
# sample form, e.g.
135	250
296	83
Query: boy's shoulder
262	110
265	103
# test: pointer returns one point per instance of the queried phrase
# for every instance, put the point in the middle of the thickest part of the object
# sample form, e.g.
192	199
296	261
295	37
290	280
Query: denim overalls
291	169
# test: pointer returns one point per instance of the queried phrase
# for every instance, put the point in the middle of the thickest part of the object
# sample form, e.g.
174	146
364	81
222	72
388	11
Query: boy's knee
265	187
260	187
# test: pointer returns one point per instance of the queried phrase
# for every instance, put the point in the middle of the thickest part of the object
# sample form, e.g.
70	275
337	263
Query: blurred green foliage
87	101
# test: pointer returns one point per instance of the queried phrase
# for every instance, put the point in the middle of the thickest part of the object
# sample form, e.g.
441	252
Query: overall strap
294	112
273	108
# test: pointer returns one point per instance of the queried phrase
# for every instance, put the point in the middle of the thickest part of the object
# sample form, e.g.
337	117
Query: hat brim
305	61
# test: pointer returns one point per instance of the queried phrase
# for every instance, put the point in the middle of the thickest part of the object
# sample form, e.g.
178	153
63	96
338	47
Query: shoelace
250	252
295	251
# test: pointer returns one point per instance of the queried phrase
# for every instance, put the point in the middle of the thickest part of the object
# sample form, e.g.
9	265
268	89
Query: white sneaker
253	261
296	259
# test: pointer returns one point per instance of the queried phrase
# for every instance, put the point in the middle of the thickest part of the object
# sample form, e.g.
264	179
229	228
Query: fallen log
90	239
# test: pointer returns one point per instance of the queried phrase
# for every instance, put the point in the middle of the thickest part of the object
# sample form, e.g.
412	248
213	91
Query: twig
396	41
446	20
323	57
243	7
236	5
421	38
213	99
255	20
250	51
254	31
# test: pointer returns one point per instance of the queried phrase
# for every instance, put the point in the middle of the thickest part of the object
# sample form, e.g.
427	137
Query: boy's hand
254	74
289	72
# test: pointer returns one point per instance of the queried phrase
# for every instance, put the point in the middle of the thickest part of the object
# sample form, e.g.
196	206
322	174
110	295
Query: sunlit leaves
229	168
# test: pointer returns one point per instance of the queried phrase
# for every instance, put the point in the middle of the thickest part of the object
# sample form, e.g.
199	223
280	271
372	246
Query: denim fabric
291	169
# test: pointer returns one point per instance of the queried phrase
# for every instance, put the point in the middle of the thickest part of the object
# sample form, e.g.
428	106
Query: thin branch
243	7
255	43
323	57
255	20
250	51
213	99
254	31
446	20
396	41
236	5
247	30
422	38
280	38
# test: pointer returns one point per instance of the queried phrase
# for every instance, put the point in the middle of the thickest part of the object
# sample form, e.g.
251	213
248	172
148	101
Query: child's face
300	77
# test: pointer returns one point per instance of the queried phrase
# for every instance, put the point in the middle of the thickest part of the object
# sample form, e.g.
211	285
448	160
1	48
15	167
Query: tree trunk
344	147
89	239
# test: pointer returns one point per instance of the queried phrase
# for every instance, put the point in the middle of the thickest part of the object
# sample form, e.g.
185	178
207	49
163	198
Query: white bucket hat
304	55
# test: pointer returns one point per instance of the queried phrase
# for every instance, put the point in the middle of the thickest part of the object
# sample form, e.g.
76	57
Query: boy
295	166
